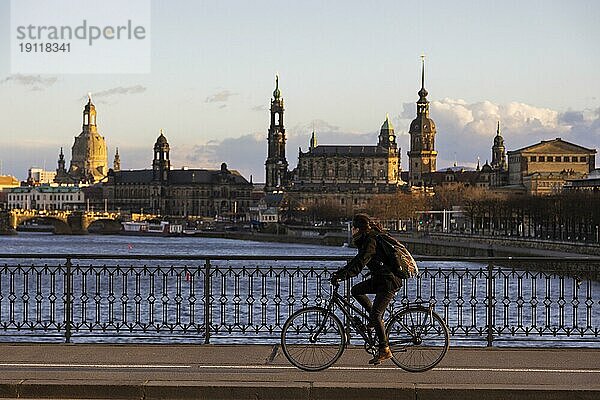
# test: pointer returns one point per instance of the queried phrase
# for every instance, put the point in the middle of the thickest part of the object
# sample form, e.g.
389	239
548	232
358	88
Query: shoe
384	354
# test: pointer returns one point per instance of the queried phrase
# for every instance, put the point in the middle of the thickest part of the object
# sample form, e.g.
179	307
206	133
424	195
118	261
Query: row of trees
565	216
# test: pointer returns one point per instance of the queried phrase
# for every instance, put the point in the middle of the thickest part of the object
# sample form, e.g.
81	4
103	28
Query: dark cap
361	221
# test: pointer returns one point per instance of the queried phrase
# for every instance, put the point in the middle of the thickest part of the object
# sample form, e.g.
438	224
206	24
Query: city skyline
214	103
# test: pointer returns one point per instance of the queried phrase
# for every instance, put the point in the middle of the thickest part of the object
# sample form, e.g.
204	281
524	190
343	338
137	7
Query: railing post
490	298
68	301
207	308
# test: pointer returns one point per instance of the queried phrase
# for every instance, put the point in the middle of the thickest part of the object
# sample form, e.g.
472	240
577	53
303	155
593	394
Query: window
558	159
542	159
533	159
550	159
582	159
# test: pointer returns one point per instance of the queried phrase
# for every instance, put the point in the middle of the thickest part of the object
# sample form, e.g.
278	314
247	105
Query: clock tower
422	155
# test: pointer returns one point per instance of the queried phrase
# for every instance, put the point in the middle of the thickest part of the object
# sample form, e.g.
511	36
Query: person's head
360	223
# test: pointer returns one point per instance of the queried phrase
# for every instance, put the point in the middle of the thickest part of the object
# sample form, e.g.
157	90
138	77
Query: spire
387	124
498	129
313	140
422	71
423	92
276	92
478	167
90	98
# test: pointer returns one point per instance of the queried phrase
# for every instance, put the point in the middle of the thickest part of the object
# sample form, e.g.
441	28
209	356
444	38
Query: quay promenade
61	371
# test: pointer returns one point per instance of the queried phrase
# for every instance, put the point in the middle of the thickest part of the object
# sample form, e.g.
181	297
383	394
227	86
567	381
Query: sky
532	65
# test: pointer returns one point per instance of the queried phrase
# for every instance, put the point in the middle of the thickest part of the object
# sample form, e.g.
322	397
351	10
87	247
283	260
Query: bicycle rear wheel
312	340
418	339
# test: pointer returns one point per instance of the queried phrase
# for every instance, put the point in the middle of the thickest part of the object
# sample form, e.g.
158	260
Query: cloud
34	82
467	129
220	97
117	91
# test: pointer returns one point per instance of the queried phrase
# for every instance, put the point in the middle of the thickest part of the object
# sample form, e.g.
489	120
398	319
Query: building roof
181	176
351	151
133	176
555	145
8	180
46	189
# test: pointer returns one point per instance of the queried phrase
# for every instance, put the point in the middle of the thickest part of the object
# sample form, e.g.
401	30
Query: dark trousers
375	309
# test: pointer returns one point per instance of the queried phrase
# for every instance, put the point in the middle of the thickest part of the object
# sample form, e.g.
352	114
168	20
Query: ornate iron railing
206	299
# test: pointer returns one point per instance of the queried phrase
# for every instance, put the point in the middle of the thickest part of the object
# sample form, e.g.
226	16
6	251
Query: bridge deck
262	372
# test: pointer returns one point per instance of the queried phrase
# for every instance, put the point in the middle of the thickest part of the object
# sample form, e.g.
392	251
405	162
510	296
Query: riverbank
457	246
434	244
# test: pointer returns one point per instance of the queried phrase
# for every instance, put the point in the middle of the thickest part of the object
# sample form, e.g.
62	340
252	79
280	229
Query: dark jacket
369	255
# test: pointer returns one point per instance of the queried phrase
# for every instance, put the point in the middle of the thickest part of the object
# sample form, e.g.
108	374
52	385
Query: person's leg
359	292
382	299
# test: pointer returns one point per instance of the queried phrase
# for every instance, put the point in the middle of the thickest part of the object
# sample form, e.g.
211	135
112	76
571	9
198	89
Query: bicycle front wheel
312	339
418	339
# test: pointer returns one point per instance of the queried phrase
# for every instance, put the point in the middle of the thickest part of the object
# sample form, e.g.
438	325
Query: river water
124	300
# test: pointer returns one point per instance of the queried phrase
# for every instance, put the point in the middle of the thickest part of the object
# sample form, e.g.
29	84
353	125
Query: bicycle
314	338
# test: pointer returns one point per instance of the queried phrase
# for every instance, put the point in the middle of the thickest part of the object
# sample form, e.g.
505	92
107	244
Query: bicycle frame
347	308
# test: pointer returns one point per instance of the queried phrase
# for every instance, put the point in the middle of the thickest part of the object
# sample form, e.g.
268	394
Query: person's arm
354	266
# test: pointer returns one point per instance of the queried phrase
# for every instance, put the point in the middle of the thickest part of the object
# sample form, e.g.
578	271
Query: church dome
161	142
498	141
422	124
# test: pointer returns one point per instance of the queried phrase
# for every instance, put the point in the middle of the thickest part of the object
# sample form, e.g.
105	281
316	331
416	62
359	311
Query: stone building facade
89	159
184	192
543	168
46	197
348	176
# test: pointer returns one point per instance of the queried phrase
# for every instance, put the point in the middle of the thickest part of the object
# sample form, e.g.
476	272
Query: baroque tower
422	155
499	152
161	163
89	159
276	165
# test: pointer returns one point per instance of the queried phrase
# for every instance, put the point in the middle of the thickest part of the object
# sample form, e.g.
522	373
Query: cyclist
382	282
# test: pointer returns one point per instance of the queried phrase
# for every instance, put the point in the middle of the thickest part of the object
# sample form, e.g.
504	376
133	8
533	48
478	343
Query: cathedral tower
499	152
89	159
422	155
161	163
276	165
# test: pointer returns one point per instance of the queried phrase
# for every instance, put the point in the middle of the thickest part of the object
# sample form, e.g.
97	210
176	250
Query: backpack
398	257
